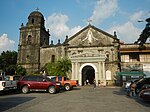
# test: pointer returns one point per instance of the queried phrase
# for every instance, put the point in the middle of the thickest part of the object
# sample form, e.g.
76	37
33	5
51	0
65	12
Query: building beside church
94	53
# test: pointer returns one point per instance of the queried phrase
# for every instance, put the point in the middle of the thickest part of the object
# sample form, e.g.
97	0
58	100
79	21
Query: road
81	99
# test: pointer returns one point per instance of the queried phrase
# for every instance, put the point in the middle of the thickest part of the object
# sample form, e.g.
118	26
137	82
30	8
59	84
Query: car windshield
140	80
48	79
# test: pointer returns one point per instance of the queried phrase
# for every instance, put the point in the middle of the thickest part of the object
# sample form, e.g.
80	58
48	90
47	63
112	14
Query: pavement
81	99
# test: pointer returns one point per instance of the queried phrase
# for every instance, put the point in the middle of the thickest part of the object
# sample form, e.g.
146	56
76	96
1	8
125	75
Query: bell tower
32	36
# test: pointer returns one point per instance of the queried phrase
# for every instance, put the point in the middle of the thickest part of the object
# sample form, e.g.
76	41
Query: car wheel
25	89
52	90
67	87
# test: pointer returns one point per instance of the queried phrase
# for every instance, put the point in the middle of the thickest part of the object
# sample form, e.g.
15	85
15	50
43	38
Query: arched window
29	40
32	21
53	58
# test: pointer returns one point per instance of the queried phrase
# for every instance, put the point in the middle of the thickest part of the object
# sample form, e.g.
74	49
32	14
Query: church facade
94	53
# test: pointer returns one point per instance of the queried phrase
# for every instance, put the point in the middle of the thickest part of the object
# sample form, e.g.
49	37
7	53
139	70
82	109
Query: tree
8	61
60	68
20	71
144	35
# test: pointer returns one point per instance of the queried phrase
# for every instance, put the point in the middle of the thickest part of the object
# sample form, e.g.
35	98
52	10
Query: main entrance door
88	75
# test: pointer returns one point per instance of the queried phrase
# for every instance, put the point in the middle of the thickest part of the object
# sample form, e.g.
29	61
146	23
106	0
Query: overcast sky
67	17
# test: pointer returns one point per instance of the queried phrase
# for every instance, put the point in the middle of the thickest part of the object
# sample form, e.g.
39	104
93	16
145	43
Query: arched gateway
88	73
88	65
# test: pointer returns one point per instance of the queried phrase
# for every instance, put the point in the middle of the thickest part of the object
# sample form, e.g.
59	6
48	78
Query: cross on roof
37	9
90	21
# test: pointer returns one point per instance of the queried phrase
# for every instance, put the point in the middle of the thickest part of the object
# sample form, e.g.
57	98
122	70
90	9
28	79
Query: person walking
99	83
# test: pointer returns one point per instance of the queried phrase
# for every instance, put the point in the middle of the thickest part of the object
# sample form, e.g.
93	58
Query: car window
48	79
65	78
32	78
16	78
1	78
7	78
53	79
25	78
59	78
40	79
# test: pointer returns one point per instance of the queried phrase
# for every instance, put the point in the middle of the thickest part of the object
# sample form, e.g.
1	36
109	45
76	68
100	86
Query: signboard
108	75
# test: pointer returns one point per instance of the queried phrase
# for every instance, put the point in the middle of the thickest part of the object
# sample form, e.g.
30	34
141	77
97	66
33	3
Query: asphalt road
81	99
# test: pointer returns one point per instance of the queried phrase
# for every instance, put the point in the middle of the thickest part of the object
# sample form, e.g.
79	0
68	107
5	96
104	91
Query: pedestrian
87	82
99	83
132	88
44	74
94	83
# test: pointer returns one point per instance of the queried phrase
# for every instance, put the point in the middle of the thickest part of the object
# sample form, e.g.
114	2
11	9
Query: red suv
37	83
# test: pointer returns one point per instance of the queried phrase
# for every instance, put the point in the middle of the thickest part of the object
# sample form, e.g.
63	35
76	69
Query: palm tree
63	66
60	68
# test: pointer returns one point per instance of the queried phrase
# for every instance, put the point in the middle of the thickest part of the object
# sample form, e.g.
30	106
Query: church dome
36	14
35	18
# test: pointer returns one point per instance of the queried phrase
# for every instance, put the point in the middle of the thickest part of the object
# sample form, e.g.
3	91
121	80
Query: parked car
37	83
66	83
145	86
145	94
8	82
140	83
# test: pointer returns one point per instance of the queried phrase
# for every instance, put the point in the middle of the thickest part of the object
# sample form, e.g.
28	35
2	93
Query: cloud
126	32
57	24
6	43
137	16
103	9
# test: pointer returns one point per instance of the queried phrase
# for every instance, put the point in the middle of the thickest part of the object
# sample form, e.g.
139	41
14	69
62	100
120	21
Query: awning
131	74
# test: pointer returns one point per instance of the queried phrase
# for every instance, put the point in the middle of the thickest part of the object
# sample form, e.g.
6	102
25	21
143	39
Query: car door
32	80
42	83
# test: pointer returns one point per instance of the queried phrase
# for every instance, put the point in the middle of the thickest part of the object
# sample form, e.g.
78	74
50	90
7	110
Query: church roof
93	27
36	13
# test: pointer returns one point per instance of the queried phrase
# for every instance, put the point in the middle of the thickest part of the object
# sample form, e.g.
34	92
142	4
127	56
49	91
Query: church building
94	53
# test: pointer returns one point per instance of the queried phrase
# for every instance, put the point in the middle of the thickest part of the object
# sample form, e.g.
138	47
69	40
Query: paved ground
81	99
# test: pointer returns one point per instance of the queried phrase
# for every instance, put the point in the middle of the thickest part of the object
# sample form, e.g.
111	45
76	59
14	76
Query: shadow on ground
7	103
122	91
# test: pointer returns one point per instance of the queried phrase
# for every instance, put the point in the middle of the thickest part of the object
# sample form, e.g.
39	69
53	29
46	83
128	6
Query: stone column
104	77
80	78
104	74
76	70
73	72
96	77
99	71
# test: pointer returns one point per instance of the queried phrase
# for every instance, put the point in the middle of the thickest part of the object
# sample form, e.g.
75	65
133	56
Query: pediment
91	36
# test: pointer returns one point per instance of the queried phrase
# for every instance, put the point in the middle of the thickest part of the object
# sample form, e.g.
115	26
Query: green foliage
20	71
8	61
60	68
51	68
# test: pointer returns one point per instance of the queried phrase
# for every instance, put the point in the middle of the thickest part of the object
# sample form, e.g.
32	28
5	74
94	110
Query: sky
67	17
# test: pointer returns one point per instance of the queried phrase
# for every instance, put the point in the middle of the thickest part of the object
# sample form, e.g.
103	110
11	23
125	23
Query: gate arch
80	71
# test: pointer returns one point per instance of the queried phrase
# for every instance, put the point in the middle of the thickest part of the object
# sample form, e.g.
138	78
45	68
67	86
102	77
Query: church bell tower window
29	40
32	21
